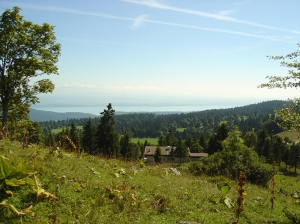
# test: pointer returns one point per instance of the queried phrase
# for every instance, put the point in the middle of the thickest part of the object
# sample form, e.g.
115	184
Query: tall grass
96	190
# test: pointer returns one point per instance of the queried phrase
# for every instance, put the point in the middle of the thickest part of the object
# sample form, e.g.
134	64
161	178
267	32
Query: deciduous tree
288	118
250	139
27	51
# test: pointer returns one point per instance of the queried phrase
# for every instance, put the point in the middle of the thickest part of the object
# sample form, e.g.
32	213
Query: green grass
58	130
152	141
98	190
180	129
293	135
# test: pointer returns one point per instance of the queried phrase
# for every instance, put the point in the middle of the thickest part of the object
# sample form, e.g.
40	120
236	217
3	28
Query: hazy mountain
41	115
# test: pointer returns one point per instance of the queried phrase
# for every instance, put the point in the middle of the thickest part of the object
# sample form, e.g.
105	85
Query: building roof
165	150
198	155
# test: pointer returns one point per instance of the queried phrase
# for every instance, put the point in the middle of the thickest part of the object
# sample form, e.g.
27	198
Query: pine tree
181	150
212	147
203	142
88	137
267	150
189	141
279	148
294	156
73	133
125	145
170	139
162	141
261	138
158	155
222	134
107	137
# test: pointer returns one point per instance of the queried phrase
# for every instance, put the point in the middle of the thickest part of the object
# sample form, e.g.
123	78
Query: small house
168	156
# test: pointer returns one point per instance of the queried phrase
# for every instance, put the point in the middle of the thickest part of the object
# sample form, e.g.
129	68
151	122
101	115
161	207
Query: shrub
259	173
197	168
243	160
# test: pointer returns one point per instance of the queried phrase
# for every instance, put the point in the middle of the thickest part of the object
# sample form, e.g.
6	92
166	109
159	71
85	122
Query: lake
139	108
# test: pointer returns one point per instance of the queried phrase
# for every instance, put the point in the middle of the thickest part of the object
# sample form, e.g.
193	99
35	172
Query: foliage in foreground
89	189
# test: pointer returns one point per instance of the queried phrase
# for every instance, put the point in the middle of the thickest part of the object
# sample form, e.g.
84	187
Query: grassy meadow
151	141
58	130
87	189
293	135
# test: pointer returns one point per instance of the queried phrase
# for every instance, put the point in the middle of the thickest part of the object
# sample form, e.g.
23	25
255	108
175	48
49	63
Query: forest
201	131
151	125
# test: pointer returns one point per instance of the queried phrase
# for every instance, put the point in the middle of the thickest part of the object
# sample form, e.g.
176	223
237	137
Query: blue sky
131	52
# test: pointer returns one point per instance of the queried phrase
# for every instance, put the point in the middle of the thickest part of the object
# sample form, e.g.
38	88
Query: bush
244	160
259	173
197	168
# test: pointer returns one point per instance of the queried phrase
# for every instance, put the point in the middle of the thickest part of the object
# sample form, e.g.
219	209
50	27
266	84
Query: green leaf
5	167
14	182
224	189
227	201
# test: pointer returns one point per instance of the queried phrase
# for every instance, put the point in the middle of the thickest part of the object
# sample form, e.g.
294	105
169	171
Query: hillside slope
88	189
40	115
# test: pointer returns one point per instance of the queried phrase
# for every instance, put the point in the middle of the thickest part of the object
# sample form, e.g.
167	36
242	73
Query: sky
166	52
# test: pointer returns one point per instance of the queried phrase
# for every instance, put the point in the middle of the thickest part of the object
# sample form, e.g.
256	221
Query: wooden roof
165	151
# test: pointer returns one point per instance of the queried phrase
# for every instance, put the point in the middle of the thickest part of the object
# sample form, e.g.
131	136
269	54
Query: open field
180	129
293	135
152	141
88	189
57	130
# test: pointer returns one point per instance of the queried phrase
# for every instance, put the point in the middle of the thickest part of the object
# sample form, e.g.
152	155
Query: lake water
171	108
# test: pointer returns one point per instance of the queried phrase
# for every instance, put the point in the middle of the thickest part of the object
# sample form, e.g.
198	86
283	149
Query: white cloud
218	16
77	85
225	12
142	19
138	22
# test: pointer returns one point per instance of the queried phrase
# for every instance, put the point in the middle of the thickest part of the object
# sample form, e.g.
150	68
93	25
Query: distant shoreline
138	109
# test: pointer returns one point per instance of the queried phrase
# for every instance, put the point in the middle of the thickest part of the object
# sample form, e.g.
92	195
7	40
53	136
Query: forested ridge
247	118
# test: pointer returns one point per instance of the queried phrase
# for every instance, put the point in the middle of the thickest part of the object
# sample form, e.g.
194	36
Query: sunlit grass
58	130
98	190
180	129
151	141
293	135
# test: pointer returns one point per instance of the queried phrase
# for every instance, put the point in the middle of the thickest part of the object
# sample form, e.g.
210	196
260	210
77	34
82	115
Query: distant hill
41	115
153	125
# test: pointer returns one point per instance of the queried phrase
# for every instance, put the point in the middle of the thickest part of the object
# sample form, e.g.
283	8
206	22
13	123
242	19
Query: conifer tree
181	150
125	145
162	141
158	155
73	133
107	137
279	147
261	138
295	156
221	134
88	137
203	141
170	138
